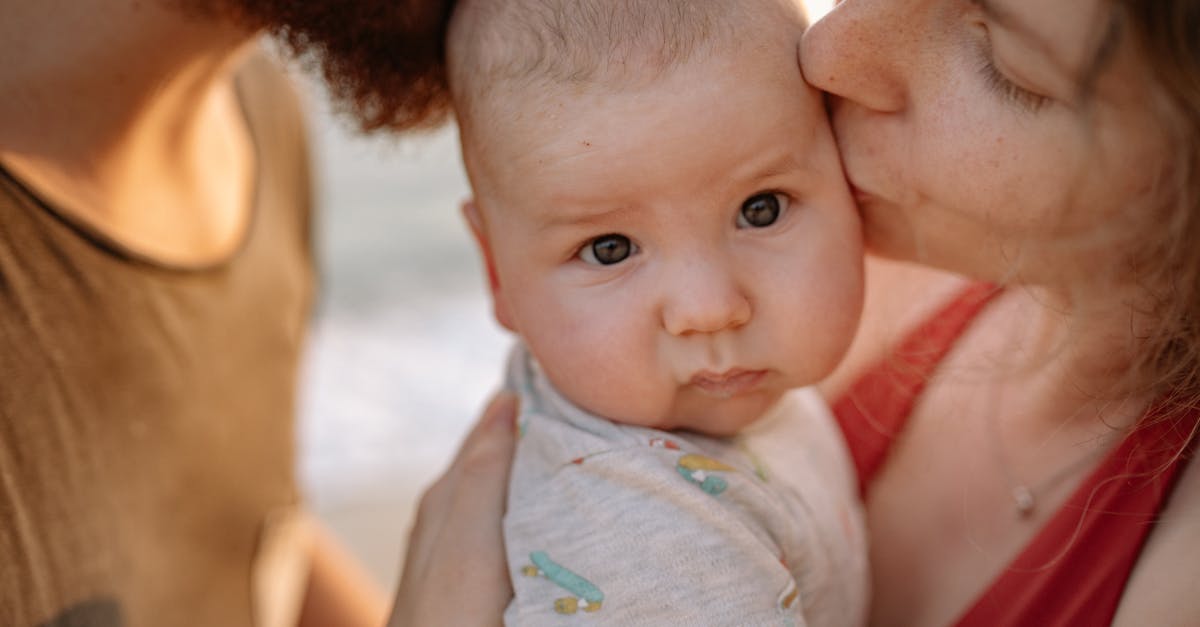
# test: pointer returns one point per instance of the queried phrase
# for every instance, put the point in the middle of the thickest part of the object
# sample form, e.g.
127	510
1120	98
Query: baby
666	227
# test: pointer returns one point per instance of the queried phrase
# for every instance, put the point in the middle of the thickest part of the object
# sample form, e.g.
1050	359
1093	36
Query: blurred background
403	350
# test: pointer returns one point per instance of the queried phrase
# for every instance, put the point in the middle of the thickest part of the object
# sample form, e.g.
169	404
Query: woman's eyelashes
761	210
1003	86
607	250
1010	91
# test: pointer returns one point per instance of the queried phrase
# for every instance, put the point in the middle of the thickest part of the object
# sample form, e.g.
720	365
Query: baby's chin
719	418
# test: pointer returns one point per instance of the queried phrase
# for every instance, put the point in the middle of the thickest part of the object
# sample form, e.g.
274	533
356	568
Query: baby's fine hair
526	43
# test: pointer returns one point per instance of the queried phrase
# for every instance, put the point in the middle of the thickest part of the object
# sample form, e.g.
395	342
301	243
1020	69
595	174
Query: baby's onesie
620	525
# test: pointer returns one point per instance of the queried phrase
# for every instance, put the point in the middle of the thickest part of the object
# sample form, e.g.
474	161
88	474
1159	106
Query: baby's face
676	255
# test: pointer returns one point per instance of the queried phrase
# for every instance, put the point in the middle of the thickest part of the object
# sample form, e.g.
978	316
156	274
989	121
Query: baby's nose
704	300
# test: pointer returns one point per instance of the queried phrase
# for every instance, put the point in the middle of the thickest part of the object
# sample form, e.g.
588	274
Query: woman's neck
1059	357
114	72
123	113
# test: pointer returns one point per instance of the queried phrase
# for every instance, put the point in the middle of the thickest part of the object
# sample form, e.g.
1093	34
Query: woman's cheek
994	163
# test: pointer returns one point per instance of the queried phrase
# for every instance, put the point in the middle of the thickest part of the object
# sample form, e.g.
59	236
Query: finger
476	511
491	440
456	544
485	452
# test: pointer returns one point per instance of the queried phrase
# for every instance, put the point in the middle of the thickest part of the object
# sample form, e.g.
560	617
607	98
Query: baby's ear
470	211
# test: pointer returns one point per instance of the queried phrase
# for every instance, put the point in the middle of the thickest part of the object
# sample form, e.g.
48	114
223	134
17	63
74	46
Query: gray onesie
612	524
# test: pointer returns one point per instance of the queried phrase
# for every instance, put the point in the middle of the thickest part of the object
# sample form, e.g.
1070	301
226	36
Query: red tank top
1074	570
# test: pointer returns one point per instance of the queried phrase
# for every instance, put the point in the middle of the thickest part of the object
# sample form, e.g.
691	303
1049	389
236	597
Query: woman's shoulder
1162	587
899	296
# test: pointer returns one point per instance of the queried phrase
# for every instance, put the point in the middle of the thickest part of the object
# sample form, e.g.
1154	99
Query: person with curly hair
156	276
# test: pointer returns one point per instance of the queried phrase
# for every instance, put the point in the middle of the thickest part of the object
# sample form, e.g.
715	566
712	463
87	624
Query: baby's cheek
823	322
627	395
602	366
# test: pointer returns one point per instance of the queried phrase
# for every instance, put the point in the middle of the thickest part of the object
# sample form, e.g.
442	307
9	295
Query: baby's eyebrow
578	218
784	164
568	211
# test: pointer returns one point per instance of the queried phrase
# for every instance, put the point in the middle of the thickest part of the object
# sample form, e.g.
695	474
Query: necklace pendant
1023	497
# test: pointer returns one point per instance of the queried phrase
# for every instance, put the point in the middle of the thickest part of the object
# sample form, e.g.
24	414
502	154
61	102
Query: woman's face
1003	139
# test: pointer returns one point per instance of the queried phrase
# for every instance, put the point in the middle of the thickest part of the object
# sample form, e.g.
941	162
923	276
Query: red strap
1075	570
877	406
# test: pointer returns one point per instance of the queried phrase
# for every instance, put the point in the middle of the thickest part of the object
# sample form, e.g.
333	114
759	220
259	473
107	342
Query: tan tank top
146	412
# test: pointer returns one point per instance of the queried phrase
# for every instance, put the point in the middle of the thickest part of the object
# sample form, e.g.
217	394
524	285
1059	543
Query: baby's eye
607	250
761	210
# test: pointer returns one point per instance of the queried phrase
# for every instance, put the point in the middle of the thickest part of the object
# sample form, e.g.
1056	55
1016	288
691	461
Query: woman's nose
855	53
703	300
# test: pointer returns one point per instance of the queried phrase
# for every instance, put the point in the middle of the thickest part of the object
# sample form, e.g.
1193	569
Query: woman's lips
729	383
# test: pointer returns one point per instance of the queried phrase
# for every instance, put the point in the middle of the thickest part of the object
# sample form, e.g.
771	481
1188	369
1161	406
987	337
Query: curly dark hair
383	60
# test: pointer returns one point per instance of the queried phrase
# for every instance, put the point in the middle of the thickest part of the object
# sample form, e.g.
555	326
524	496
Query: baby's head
659	201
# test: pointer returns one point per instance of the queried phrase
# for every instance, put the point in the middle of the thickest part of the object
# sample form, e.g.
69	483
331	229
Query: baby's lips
729	383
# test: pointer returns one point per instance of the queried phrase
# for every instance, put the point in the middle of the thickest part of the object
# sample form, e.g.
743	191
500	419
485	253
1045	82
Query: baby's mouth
727	384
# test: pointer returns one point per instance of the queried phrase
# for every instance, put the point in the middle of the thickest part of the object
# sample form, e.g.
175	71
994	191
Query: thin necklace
1024	494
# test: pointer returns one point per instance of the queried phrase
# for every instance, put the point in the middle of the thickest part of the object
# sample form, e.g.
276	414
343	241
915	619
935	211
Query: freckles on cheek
976	173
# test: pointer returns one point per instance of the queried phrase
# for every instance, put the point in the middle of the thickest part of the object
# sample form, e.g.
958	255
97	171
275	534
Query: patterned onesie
612	524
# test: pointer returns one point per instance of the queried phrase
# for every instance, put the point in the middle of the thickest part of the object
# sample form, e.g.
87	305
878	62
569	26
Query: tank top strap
876	407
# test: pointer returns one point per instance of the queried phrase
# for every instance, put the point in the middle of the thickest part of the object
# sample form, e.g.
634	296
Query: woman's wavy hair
1168	32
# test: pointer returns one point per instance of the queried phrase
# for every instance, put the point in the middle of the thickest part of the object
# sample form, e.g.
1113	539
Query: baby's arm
648	535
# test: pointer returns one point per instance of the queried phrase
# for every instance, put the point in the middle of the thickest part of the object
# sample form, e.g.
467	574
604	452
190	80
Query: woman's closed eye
1004	86
607	250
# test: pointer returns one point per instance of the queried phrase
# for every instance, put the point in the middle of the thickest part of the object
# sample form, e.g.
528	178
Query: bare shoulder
898	297
1162	589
